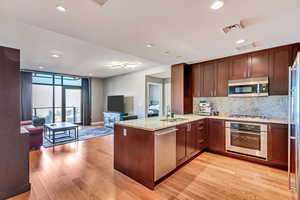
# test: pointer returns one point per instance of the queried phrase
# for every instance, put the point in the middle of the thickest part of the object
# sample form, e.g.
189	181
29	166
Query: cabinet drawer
202	145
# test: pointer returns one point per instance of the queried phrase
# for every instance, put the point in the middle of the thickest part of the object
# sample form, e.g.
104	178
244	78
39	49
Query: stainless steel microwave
251	87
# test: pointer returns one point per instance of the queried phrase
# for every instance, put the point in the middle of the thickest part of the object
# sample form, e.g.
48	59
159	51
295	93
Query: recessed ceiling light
61	9
41	67
90	74
240	41
217	4
150	45
55	55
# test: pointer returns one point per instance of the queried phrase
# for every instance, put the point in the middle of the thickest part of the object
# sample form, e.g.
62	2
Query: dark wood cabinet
191	138
250	65
258	65
280	60
238	67
216	132
181	89
222	75
201	135
181	144
296	49
209	79
197	76
278	145
191	134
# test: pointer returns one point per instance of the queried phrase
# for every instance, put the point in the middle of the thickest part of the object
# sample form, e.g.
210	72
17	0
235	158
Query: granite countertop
155	123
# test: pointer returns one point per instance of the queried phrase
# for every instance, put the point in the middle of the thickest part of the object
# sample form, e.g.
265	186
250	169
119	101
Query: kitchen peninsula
168	143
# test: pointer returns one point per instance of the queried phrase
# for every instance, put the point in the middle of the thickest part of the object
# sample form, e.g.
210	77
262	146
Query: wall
133	87
97	99
272	106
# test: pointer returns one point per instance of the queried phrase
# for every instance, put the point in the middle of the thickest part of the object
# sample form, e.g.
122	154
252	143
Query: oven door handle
246	132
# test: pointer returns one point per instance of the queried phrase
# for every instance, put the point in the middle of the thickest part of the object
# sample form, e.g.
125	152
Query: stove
249	116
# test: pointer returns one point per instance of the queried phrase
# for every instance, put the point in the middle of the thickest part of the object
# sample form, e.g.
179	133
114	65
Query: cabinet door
216	141
180	144
209	79
278	144
280	60
238	67
177	88
222	68
191	135
258	64
197	72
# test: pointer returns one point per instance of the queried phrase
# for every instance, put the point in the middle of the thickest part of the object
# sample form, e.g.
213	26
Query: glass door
72	105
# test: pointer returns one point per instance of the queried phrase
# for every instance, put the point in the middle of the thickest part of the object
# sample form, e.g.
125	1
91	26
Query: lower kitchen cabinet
191	138
278	145
201	135
216	132
180	144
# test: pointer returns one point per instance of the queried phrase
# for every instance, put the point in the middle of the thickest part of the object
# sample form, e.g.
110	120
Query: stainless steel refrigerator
294	131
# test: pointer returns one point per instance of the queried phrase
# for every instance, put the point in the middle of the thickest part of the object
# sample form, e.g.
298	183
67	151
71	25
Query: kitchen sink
173	119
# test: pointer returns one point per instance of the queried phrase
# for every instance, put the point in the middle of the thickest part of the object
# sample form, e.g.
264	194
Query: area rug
84	134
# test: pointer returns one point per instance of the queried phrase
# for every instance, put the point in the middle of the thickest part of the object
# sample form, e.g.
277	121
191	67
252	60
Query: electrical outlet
125	132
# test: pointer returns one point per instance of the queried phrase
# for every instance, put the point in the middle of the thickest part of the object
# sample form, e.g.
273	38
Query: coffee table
60	132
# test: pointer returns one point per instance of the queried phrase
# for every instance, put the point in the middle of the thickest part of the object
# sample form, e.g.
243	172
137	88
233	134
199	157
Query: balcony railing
72	114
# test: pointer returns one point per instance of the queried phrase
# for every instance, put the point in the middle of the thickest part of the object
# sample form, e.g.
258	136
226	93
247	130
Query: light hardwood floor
85	171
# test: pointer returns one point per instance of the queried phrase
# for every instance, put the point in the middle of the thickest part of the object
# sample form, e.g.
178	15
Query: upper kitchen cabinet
181	88
250	65
296	49
197	73
258	64
238	67
280	60
209	79
222	67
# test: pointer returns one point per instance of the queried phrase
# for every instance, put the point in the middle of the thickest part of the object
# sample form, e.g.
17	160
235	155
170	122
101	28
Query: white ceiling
186	28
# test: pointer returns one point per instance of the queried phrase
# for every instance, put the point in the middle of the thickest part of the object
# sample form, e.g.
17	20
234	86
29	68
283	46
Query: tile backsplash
272	106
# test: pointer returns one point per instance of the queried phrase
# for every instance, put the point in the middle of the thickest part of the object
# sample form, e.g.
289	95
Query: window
47	79
71	81
39	78
56	97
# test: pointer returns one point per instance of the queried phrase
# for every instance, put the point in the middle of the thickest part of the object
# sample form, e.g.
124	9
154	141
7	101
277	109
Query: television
115	103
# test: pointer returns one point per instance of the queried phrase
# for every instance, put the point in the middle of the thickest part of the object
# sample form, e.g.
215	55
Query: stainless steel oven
248	87
247	138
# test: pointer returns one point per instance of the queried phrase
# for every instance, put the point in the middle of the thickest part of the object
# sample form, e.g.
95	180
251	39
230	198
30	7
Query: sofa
35	133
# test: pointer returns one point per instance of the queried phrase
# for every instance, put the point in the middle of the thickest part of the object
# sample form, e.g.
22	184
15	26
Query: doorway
154	99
